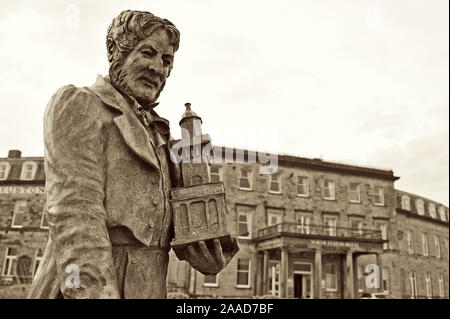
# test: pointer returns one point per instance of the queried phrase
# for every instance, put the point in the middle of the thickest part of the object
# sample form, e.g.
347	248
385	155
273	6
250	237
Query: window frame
425	246
359	228
428	285
305	186
249	178
357	191
6	170
385	277
271	213
410	242
333	197
441	212
420	204
437	247
278	174
23	171
16	208
413	284
302	224
210	284
441	285
249	222
406	203
380	193
333	228
434	214
248	285
219	173
10	267
327	289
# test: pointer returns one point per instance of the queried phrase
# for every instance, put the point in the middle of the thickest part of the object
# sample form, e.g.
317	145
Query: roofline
419	196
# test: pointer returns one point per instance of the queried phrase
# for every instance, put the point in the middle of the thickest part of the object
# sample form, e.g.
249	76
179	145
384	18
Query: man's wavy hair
127	30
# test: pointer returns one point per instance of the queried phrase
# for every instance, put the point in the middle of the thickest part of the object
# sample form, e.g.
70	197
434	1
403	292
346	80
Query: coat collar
134	133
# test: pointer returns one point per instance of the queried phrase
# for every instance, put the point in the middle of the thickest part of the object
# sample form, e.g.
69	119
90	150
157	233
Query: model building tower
195	168
199	207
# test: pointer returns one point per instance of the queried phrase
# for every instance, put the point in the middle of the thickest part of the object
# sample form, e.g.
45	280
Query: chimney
14	154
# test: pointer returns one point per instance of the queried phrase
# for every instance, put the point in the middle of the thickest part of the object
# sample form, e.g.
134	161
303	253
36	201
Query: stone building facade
310	230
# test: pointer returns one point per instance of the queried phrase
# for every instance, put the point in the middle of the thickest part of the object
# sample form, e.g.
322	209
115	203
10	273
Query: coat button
151	224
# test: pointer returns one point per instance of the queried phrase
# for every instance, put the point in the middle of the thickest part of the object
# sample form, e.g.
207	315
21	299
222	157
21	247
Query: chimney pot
14	154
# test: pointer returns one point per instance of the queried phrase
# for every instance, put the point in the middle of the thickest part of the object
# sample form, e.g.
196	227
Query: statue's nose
156	65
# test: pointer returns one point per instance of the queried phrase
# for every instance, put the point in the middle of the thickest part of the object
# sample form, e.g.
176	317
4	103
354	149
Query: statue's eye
167	62
148	53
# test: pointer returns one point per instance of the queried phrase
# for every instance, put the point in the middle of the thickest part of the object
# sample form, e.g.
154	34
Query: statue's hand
210	261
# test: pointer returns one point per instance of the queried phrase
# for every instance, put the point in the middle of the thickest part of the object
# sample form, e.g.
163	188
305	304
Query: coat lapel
133	132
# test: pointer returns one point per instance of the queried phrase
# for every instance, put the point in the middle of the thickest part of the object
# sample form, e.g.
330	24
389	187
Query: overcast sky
358	81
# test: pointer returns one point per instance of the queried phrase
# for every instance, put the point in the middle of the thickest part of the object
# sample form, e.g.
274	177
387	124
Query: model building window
274	217
331	277
303	222
442	213
302	186
44	222
413	284
420	207
378	195
429	288
356	226
244	222
432	210
329	189
28	171
275	183
243	273
211	280
437	246
441	285
10	263
245	181
216	174
354	193
37	260
4	170
410	241
406	205
424	244
20	207
330	226
385	275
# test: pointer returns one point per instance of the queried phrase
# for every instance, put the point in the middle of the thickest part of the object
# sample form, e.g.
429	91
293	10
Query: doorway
303	280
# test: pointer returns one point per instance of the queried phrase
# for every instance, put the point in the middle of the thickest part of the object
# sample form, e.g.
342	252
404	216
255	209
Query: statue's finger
192	251
219	253
205	252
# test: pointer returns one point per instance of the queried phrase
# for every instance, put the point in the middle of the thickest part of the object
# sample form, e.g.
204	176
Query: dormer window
420	207
442	214
4	170
432	210
28	171
406	205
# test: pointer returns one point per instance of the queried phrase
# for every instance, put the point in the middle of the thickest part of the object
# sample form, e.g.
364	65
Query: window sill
303	196
242	286
211	285
275	193
330	199
354	202
245	189
380	205
331	290
16	227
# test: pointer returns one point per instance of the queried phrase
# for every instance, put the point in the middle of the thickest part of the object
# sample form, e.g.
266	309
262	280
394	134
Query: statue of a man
108	175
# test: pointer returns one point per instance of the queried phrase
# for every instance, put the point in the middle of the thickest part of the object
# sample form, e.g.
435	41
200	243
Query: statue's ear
110	47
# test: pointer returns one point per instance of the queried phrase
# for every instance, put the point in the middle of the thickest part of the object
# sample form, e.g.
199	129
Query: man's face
147	66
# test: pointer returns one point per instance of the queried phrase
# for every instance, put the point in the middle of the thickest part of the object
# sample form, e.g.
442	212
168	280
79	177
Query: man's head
140	49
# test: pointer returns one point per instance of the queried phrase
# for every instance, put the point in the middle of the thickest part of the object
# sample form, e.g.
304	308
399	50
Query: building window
20	207
432	210
425	244
275	183
406	204
441	285
303	221
44	222
329	189
413	284
356	226
442	214
274	278
420	207
244	222
274	217
216	174
243	273
428	286
437	246
37	260
378	196
330	226
4	170
446	246
211	280
10	263
245	181
354	193
360	278
410	241
382	226
28	171
331	277
385	275
302	186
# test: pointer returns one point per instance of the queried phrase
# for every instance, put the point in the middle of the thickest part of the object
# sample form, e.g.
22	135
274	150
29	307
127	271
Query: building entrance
303	281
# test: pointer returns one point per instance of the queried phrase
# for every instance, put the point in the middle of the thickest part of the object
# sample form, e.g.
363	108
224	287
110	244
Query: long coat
102	171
